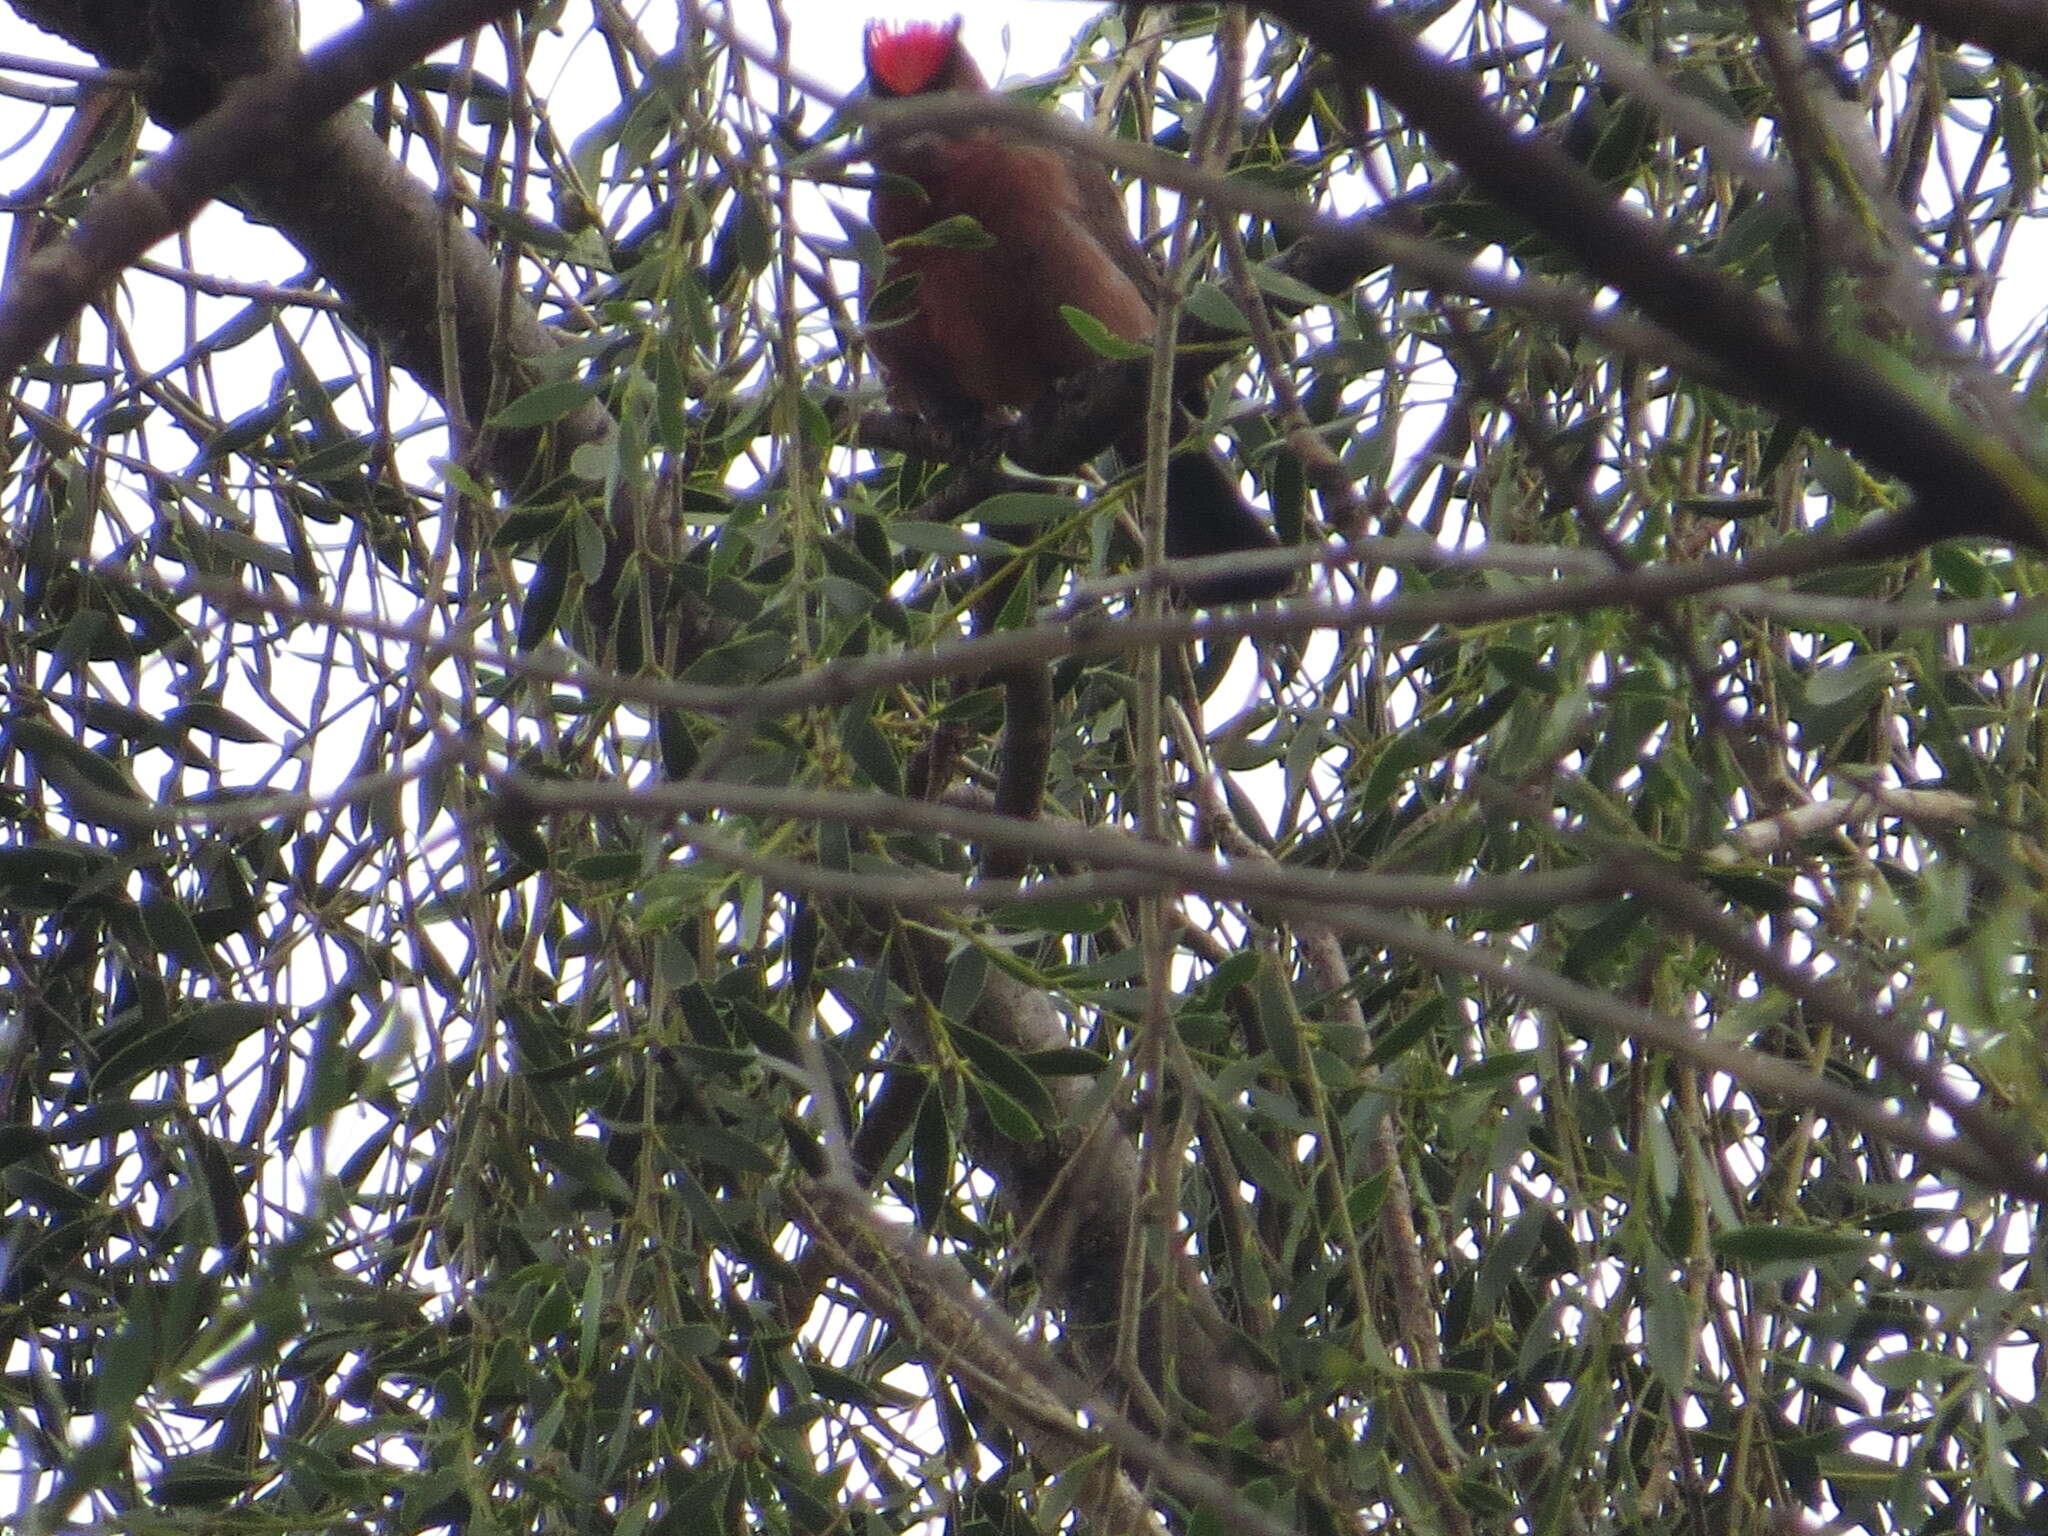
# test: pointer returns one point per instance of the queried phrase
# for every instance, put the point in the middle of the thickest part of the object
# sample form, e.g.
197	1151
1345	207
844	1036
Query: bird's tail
1207	515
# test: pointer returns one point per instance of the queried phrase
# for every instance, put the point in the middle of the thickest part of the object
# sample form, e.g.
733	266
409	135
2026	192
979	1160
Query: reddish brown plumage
969	331
984	325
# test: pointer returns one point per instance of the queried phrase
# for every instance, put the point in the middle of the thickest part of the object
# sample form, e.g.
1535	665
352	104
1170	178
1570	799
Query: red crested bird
972	327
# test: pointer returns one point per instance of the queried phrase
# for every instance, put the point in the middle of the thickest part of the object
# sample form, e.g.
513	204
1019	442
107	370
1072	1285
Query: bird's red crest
905	58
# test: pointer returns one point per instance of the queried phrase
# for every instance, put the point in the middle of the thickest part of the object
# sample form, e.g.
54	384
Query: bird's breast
991	314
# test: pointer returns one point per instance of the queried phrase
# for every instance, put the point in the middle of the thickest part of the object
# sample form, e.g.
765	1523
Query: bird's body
984	323
962	329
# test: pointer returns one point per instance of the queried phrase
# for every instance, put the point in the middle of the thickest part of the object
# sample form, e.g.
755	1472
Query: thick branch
254	115
931	1302
2015	31
1966	482
255	123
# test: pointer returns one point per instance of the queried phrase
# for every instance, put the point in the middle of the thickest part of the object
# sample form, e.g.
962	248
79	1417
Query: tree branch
1967	481
2015	31
255	117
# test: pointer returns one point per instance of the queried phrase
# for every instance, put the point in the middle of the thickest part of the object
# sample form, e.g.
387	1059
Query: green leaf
1789	1245
1022	508
1761	890
543	404
965	978
607	868
717	1145
1058	916
961	232
582	1164
218	1027
1216	309
1860	677
872	752
1099	339
931	1159
944	539
1433	1013
998	1066
1499	1067
1010	1118
894	301
171	929
1364	1202
201	715
1477	1384
199	1481
1668	1337
1285	287
95	785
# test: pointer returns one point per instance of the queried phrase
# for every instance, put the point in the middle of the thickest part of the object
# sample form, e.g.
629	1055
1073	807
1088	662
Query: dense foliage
527	1005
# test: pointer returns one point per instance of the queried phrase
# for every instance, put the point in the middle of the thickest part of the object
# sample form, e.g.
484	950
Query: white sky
1011	41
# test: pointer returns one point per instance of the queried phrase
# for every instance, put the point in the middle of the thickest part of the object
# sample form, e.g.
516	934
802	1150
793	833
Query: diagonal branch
260	124
2015	31
1967	480
253	118
930	1301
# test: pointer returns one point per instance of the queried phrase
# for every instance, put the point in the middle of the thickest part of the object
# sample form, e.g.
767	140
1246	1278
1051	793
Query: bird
963	328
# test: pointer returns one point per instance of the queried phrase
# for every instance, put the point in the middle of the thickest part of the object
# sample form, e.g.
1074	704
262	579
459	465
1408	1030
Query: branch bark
1967	480
257	121
268	127
2015	31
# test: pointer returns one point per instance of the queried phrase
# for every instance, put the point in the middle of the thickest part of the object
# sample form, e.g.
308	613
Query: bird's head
911	58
